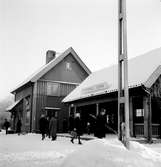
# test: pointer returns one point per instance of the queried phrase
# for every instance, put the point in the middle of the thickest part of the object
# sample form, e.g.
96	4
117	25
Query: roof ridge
45	68
142	69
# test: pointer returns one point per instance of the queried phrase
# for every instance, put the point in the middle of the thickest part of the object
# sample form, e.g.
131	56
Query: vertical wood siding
48	98
40	101
156	88
21	95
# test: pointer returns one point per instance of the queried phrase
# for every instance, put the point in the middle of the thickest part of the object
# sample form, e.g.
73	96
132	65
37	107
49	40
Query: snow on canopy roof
142	70
44	69
9	108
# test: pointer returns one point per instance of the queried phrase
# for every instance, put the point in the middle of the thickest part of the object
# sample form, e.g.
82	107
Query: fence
139	130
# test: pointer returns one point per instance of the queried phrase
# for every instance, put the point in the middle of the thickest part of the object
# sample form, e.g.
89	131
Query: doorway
51	111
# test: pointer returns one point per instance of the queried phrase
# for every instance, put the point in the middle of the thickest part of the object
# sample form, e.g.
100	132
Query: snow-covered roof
44	69
9	108
142	70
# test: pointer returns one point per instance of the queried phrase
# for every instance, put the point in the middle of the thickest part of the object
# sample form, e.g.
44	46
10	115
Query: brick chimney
50	55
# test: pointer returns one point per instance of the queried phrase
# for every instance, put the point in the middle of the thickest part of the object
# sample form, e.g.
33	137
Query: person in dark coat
42	126
71	122
18	127
101	122
47	126
53	128
65	125
88	128
6	125
77	128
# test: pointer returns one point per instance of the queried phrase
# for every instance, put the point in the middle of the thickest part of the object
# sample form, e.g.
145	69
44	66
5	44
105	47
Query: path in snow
30	151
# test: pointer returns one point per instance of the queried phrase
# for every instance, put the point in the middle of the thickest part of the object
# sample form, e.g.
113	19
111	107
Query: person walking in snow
77	128
53	128
88	128
101	122
6	125
18	126
42	126
71	122
47	126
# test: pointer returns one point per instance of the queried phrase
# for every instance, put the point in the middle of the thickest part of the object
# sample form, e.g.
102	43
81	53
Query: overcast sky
28	28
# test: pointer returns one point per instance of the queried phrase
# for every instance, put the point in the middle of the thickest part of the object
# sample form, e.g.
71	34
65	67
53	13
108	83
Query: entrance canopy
51	108
12	106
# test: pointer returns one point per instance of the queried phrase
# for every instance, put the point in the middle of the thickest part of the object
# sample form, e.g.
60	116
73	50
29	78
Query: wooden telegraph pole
123	94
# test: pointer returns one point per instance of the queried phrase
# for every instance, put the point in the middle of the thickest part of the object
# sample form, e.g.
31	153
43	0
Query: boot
79	142
72	140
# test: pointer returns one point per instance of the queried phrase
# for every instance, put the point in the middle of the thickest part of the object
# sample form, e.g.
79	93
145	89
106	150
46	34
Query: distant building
100	91
42	92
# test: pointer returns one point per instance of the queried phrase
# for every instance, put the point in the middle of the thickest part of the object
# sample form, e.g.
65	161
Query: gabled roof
47	67
142	70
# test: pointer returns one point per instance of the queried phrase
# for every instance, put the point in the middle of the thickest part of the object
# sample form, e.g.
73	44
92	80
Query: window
27	108
68	66
52	89
59	89
27	102
139	112
28	117
65	89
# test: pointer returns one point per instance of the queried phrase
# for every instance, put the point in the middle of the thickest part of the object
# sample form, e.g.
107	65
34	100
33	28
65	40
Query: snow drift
105	153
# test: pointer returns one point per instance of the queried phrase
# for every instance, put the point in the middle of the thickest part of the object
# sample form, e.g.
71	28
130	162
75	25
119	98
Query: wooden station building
42	92
100	90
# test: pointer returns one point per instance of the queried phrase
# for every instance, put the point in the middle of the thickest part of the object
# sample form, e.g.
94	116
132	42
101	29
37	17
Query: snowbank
111	153
145	152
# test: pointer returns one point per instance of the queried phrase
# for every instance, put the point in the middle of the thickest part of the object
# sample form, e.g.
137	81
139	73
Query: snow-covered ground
111	153
30	151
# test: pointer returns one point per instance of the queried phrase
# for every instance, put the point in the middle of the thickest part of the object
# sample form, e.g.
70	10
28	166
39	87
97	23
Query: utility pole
123	94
